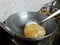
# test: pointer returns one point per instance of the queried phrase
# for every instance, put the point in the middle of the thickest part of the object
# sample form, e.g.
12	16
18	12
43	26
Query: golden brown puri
34	31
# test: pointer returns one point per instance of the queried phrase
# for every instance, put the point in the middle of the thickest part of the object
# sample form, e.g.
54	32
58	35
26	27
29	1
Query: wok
16	22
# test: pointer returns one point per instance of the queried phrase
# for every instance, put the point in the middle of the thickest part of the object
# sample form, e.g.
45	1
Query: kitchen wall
8	7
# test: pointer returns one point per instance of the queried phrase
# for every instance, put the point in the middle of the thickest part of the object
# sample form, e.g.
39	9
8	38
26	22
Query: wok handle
52	15
7	29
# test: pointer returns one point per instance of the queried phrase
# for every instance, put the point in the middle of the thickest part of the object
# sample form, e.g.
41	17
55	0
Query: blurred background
8	7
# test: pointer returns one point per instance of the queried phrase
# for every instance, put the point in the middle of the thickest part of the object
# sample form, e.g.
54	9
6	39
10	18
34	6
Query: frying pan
16	22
